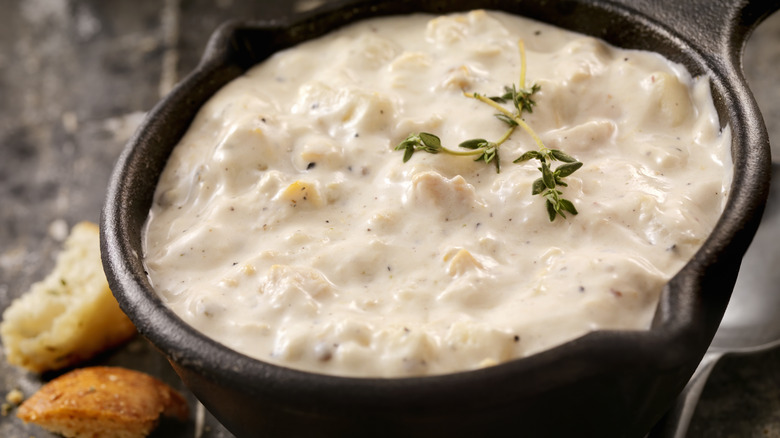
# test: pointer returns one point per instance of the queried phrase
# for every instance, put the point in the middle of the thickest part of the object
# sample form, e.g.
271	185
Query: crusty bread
99	402
69	316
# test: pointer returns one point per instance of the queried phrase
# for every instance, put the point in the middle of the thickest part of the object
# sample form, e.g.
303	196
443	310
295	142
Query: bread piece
103	402
69	316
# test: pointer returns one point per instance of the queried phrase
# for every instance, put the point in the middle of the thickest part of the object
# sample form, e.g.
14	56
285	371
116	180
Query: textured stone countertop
76	77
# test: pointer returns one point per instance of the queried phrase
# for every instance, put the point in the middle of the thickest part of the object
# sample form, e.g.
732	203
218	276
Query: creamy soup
287	227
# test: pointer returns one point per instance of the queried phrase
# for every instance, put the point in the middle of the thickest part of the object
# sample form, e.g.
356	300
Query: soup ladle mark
751	323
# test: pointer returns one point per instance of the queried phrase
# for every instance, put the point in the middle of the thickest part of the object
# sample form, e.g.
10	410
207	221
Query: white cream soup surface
287	227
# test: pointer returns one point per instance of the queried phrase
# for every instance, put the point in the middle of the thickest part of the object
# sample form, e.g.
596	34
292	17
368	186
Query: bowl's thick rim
690	310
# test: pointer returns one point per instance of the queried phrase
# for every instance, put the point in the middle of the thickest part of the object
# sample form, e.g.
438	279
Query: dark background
77	76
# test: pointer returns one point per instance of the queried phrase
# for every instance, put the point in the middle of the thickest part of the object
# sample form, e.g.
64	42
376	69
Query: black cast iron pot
604	384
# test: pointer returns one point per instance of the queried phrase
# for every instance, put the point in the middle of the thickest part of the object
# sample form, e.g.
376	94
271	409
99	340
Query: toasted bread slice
99	402
68	317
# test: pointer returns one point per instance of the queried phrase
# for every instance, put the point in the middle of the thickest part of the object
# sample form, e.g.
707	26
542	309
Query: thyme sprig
520	98
487	151
484	150
551	179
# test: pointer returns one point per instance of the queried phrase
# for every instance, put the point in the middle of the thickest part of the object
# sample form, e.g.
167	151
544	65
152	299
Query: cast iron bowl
606	383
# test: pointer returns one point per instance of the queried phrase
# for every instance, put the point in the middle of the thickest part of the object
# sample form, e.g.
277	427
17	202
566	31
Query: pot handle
717	27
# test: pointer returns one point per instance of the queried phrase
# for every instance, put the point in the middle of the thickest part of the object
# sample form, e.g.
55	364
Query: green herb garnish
484	150
546	185
521	99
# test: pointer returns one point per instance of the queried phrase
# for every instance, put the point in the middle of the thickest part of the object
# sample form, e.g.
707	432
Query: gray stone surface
76	77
